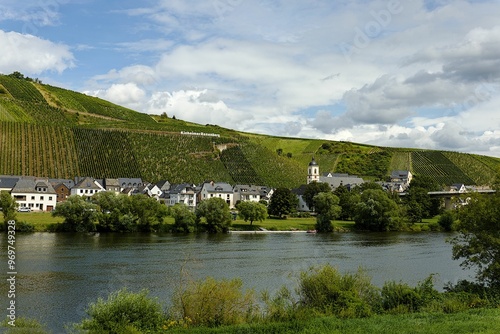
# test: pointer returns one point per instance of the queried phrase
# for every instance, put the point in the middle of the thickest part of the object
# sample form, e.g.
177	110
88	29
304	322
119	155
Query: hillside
53	132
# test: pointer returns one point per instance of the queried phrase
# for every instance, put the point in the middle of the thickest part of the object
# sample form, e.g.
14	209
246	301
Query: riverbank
44	221
472	321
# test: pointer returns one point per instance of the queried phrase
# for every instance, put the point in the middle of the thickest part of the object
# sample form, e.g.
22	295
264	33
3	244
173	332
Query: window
41	198
32	198
50	198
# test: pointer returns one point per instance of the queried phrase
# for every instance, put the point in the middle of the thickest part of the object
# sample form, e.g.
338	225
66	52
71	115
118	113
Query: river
59	274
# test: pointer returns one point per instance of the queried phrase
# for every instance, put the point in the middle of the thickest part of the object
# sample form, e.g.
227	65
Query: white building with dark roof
87	187
217	189
35	193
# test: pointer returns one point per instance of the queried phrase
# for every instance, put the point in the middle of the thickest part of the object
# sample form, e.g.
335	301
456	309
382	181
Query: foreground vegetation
324	301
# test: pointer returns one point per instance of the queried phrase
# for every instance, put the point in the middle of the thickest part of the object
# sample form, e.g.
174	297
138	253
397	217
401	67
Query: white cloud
32	55
128	95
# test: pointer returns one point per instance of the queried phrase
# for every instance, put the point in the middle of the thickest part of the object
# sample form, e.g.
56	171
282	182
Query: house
110	185
150	190
62	188
217	189
130	182
299	192
8	182
164	185
35	193
184	193
401	176
86	186
458	187
245	192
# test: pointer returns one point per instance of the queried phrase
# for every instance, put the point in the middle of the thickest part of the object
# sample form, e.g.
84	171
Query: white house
87	187
35	193
184	193
245	193
217	189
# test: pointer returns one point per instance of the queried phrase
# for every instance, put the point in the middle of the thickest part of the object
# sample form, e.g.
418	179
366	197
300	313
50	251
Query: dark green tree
418	203
79	215
184	219
328	209
8	206
312	189
149	212
283	202
252	211
216	213
347	201
376	212
478	242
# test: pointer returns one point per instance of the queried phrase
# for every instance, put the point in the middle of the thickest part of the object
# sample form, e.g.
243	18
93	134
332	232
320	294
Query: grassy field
484	321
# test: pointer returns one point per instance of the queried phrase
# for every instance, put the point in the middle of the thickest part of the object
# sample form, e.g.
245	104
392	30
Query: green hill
54	132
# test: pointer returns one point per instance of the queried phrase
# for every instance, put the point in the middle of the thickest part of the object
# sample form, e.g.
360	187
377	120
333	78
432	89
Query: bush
447	221
327	291
401	298
214	303
25	227
124	312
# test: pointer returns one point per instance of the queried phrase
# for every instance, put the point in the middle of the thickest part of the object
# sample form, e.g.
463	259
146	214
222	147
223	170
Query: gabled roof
130	182
178	188
29	184
67	182
87	183
247	189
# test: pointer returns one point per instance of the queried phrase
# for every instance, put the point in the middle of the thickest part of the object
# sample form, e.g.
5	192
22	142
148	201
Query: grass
473	321
42	220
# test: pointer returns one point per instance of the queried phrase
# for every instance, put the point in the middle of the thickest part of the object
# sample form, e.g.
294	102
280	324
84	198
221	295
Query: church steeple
312	171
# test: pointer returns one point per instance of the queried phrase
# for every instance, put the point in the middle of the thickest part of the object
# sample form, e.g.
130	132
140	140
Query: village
40	194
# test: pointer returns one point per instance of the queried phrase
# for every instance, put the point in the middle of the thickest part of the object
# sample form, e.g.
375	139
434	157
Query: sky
419	74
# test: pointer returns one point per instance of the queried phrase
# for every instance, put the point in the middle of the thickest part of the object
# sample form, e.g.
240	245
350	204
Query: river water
60	274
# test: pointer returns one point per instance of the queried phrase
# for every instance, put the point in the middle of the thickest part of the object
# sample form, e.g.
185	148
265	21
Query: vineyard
437	166
29	149
238	167
105	154
53	132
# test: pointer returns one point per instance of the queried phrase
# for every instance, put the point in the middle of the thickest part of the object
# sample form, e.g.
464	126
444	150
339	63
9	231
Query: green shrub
327	291
282	307
401	298
124	312
447	221
214	303
25	227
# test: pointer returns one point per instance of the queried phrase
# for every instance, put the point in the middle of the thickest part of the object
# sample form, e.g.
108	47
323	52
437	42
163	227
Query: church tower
312	171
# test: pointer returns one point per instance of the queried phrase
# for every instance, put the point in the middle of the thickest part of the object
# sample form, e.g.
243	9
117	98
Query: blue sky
417	73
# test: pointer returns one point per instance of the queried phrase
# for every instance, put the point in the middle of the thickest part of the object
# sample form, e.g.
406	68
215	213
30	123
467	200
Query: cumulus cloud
128	95
32	55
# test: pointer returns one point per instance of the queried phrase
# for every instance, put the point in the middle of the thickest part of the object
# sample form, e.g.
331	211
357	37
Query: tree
283	202
418	203
149	212
79	215
478	242
312	189
184	219
8	205
251	211
328	209
376	211
216	213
